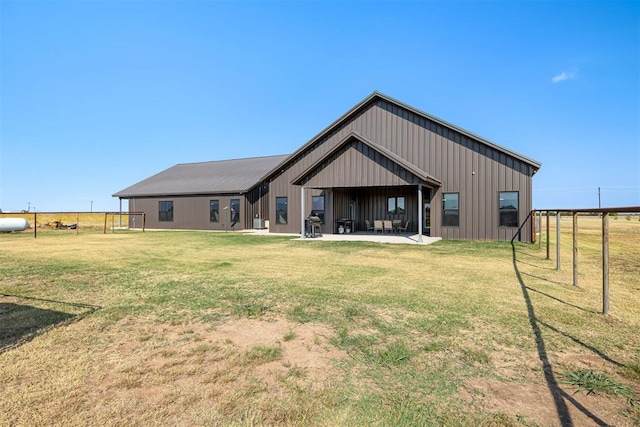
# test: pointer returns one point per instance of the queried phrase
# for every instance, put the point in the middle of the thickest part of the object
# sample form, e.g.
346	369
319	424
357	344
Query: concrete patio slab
406	239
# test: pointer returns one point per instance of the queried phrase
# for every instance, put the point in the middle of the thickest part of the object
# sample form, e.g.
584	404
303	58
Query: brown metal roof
224	176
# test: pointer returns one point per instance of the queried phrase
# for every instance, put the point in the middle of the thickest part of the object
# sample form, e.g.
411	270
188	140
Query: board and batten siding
478	172
189	212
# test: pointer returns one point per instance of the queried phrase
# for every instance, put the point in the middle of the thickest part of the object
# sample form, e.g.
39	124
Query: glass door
427	219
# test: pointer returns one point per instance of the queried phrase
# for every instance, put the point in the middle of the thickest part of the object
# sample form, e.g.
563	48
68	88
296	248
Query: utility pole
598	197
92	206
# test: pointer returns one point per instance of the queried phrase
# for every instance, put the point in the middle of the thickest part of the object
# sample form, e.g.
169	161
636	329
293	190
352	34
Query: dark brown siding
357	165
257	205
294	223
464	165
189	213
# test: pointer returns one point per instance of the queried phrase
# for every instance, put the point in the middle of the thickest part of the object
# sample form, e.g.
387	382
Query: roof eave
180	194
535	164
321	134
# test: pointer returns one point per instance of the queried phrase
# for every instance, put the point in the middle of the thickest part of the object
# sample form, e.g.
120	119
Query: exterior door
427	219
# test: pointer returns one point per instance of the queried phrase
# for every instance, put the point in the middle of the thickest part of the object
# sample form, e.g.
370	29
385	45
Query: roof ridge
234	159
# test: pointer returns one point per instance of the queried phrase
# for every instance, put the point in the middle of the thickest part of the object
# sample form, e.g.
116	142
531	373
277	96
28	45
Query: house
222	195
380	160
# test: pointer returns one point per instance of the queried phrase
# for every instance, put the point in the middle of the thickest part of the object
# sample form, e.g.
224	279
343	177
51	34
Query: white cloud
563	76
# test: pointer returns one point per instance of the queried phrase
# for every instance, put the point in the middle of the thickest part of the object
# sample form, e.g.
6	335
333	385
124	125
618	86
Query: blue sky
96	96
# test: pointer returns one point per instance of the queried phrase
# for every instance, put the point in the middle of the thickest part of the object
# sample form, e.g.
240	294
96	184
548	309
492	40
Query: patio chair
403	229
388	226
377	225
368	224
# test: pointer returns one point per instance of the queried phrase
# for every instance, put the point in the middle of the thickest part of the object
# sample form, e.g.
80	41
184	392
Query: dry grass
84	221
189	328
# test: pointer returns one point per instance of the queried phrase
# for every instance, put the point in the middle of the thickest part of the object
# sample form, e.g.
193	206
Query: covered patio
359	182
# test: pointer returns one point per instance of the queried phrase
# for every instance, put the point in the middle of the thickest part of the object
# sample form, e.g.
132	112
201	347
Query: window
395	205
508	208
165	211
317	207
214	211
281	210
235	211
450	210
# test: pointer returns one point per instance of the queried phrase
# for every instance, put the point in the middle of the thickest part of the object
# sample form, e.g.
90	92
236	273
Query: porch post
420	213
302	233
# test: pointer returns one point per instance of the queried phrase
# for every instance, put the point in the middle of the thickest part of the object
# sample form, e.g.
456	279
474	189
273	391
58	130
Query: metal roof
217	177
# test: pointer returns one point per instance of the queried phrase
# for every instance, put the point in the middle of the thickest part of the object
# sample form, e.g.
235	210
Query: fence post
605	263
539	230
533	227
575	248
557	240
548	257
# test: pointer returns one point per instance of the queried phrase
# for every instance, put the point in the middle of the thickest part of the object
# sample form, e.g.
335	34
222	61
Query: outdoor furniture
368	224
388	225
404	228
396	223
378	226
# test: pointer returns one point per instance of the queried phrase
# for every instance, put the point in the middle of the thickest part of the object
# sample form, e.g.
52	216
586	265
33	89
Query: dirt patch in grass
303	346
536	402
270	371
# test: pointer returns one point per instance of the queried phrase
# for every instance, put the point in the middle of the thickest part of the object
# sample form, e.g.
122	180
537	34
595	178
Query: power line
585	190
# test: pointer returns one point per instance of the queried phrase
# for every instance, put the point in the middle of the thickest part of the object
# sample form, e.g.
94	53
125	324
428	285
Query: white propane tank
13	224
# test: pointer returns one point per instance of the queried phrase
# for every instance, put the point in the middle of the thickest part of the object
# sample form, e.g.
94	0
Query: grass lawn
196	328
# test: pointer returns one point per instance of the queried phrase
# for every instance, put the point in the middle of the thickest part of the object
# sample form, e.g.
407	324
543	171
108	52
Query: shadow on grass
21	322
583	344
542	278
558	299
536	265
560	397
